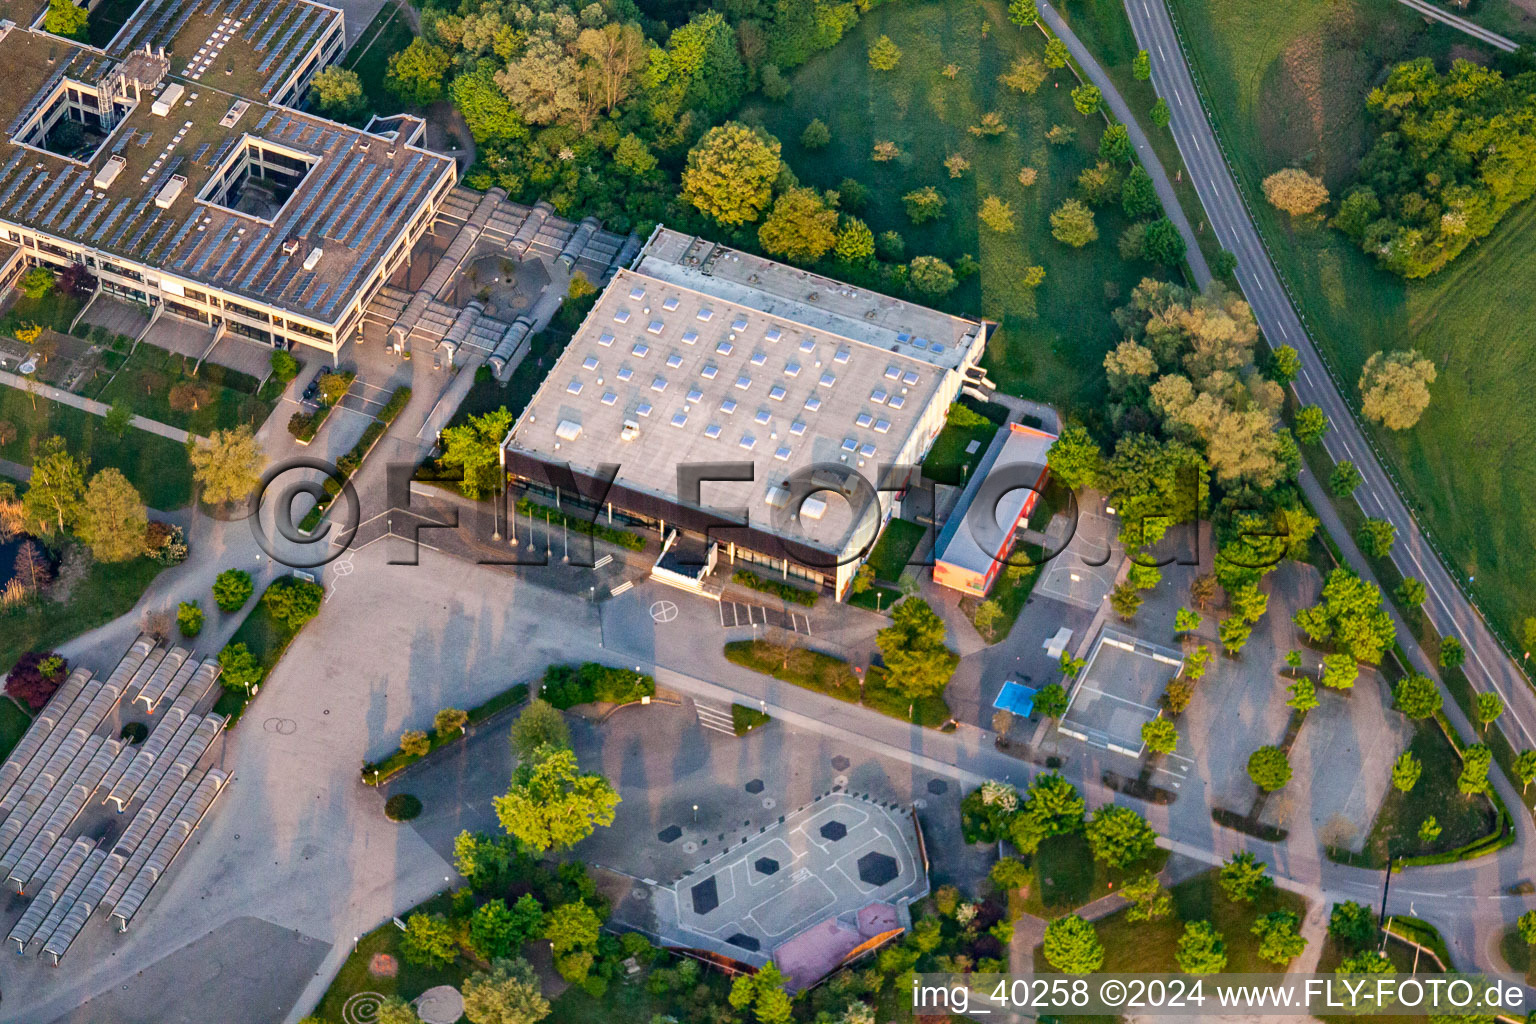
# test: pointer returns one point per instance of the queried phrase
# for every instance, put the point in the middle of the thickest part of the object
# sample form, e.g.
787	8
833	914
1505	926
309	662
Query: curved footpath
1471	893
1144	151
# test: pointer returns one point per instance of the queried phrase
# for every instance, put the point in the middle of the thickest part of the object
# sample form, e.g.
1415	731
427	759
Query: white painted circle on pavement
663	611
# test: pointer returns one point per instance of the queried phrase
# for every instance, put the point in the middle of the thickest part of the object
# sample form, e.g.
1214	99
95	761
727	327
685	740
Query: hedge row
752	581
565	686
611	534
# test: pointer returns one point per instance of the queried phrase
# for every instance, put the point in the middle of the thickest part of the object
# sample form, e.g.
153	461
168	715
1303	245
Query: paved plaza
1119	691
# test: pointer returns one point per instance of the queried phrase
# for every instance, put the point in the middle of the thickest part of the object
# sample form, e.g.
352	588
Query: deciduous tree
1406	771
229	467
1295	191
1201	949
552	804
1119	836
112	518
730	173
801	228
1072	946
1394	388
1269	768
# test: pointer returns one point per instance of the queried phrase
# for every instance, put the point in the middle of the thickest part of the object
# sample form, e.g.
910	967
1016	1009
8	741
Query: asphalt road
1487	666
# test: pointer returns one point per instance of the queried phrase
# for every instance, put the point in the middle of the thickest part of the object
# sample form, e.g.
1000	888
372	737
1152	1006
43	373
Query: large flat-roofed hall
701	354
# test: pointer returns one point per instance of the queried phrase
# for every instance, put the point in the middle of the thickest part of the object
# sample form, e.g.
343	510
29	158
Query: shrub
239	666
565	686
402	807
793	594
231	589
414	743
189	618
35	677
292	601
284	366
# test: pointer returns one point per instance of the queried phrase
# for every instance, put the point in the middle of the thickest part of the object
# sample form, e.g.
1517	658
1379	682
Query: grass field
157	466
895	547
1288	83
948	462
13	722
104	593
1051	342
1462	819
1067	876
1148	946
216	399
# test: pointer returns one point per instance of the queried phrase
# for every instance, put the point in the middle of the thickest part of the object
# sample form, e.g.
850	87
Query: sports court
821	883
1083	573
1119	691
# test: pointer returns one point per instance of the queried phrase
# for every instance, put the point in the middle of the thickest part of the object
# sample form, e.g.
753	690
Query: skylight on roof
777	393
694	394
866	449
574	387
625	373
709	371
797	428
659	384
728	406
637	292
878	396
896	402
689	337
706	314
621	317
655	327
748	442
893	371
643	409
679	419
743	382
605	340
589	363
909	378
609	398
739	324
759	358
850	444
670	304
881	426
863	419
782	453
827	380
791	369
640	350
712	431
762	416
674	360
806	345
772	334
813	403
725	348
841	356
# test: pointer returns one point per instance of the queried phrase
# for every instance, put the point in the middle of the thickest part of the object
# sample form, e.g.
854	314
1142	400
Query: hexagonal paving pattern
755	786
877	869
766	865
937	786
834	830
841	763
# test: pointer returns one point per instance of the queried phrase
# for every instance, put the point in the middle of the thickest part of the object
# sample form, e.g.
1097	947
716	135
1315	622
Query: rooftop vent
630	431
568	430
290	246
109	171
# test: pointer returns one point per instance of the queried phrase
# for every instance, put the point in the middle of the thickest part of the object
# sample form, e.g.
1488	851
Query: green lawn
1148	946
267	639
1051	342
1517	953
55	310
948	461
159	385
1288	83
411	981
385	36
1067	876
13	722
104	593
894	549
1463	819
157	466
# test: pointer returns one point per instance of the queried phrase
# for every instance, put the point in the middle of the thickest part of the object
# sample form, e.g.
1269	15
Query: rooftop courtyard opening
258	177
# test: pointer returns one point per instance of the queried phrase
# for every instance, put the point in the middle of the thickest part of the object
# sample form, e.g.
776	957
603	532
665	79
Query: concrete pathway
92	406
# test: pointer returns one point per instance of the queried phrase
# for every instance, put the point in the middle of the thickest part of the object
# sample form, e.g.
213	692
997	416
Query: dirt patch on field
1317	87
